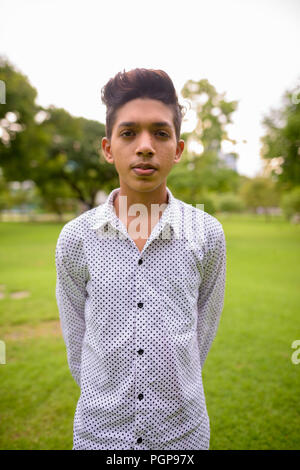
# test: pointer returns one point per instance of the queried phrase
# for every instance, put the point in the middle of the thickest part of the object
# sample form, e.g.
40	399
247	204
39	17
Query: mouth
144	170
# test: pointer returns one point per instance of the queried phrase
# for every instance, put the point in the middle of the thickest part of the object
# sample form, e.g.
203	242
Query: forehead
144	111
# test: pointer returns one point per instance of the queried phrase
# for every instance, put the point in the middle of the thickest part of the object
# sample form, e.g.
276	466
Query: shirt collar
105	213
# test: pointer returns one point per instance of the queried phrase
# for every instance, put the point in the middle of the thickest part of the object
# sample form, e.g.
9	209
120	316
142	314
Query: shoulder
213	230
203	224
73	233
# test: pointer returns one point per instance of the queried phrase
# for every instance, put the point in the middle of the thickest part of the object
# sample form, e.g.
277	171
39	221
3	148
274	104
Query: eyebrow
156	124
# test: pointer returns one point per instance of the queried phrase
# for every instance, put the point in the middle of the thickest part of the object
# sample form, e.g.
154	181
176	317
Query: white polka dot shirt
138	325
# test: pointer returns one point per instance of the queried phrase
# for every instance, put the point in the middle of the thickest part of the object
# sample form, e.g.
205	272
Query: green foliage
21	139
202	171
4	194
259	192
73	159
57	151
20	94
290	202
282	141
212	111
229	202
196	179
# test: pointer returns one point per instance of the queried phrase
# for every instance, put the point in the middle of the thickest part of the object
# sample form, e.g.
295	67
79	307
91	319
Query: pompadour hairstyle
140	83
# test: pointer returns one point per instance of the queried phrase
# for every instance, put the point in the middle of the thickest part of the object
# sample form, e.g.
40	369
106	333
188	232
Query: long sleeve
71	297
211	294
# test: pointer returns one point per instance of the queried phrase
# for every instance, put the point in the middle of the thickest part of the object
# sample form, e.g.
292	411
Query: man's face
143	133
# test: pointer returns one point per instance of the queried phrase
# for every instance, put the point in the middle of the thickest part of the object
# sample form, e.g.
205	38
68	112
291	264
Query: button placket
141	319
140	341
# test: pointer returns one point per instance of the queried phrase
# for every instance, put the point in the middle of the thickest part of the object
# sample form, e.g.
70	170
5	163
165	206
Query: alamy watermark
296	354
2	92
190	224
2	353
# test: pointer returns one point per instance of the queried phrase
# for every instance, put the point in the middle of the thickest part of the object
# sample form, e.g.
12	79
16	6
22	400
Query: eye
127	134
163	134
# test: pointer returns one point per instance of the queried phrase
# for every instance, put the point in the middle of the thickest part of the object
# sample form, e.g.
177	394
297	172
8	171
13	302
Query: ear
106	149
179	150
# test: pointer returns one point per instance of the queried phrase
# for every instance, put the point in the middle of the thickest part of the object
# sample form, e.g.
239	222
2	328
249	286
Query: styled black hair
140	83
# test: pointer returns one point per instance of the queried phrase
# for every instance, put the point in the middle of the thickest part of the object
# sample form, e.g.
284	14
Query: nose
144	146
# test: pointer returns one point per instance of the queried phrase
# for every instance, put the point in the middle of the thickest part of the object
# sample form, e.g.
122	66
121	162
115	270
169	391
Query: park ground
251	383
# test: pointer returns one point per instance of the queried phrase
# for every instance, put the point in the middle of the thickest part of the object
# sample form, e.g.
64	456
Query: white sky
70	48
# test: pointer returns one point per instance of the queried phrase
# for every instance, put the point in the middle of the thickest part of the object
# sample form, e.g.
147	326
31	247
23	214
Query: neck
157	196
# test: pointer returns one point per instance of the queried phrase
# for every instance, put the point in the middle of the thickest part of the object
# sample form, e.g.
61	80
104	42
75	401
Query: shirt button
140	304
139	440
140	396
140	261
140	351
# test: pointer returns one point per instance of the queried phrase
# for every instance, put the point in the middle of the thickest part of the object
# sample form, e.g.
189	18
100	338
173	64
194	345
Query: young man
140	285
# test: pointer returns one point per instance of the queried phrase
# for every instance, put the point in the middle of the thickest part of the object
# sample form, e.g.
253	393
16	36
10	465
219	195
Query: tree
5	199
201	170
281	143
260	192
60	153
290	203
20	138
73	157
213	114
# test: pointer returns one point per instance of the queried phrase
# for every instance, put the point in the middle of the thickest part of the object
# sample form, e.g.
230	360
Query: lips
144	170
145	166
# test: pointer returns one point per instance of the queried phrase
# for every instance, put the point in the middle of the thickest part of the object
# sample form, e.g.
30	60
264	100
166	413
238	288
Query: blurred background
236	68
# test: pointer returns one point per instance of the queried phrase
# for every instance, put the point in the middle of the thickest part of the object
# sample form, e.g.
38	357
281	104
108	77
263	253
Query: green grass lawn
251	385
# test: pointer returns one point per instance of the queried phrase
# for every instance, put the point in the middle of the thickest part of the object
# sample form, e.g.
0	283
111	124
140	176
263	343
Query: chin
141	184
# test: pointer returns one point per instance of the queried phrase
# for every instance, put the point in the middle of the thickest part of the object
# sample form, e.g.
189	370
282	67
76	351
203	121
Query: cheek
117	155
167	158
119	167
122	166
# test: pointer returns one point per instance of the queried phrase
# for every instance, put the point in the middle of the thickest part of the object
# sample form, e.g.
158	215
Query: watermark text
2	352
296	354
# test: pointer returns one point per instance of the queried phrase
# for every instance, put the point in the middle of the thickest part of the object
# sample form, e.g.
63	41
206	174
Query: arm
211	294
71	296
